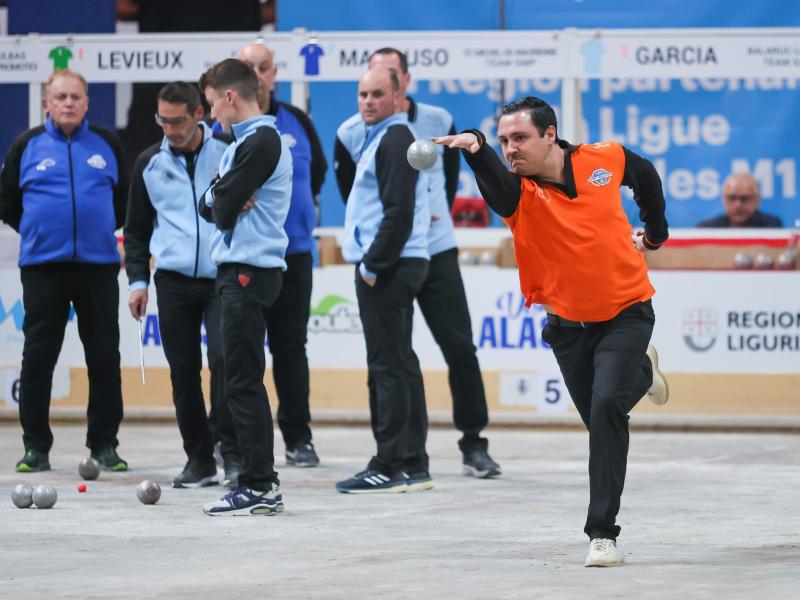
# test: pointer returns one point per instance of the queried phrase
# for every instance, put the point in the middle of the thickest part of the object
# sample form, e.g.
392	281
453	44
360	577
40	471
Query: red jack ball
81	487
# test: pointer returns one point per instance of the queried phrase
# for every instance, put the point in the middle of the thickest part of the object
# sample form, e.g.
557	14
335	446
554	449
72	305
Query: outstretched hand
466	141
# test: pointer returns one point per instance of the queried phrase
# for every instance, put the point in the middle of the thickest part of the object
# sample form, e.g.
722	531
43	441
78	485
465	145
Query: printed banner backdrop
695	130
705	323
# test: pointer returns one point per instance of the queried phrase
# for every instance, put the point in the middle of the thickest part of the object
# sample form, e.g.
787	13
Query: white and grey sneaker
245	501
604	552
659	390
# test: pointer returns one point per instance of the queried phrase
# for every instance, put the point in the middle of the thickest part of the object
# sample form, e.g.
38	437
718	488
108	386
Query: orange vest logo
600	177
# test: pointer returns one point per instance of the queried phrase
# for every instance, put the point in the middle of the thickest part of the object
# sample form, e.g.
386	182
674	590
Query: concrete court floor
703	516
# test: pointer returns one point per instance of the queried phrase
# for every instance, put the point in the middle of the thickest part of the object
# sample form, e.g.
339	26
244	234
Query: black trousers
246	294
443	303
287	327
397	396
606	372
184	303
47	292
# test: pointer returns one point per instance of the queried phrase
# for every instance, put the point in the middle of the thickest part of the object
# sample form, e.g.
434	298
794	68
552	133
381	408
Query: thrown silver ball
422	155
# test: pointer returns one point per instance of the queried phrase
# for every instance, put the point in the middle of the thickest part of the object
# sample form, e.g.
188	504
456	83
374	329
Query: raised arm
499	187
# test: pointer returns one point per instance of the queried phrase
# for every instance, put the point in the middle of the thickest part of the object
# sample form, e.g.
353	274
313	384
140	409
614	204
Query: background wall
696	131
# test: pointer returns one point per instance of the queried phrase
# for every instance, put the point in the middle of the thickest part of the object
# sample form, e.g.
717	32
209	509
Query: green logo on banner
60	56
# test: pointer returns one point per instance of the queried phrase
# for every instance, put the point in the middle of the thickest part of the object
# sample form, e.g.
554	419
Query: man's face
66	102
523	148
376	101
392	61
178	125
741	200
258	57
221	103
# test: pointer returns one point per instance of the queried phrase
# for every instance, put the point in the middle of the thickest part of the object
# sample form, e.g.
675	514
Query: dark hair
180	92
401	55
231	74
542	114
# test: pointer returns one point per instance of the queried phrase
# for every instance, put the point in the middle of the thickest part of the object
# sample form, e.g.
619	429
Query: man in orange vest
580	260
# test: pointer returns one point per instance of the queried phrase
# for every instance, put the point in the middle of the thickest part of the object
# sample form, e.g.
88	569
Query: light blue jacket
430	121
162	207
366	208
257	163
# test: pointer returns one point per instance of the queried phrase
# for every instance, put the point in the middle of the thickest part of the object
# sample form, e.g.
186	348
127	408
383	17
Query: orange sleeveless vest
576	254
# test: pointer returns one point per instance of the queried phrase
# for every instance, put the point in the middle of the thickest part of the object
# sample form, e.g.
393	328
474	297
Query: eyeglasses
161	121
743	198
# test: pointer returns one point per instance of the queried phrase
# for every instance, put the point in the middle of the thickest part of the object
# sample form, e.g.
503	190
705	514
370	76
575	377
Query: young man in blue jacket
442	298
163	222
386	237
248	204
63	188
288	318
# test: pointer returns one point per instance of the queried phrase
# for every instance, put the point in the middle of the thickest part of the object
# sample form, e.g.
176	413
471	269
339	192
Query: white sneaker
659	390
604	552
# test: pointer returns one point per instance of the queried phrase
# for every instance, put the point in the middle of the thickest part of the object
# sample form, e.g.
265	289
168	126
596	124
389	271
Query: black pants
397	396
606	372
246	294
287	327
47	291
184	303
443	303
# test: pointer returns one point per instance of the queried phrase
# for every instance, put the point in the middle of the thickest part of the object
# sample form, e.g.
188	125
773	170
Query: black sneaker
33	462
370	481
418	481
109	460
478	463
232	466
196	475
302	455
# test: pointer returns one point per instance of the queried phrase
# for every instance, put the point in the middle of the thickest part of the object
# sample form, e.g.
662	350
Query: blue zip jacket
163	218
65	196
257	163
388	213
308	172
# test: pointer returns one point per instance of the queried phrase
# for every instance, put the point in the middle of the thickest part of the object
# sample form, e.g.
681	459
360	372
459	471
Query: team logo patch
47	162
97	161
600	177
289	140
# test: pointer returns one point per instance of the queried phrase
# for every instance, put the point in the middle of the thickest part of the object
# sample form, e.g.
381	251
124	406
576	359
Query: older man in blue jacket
63	188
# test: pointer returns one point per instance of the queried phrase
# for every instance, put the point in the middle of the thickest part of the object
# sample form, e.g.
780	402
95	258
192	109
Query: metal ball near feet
89	469
148	492
45	496
22	496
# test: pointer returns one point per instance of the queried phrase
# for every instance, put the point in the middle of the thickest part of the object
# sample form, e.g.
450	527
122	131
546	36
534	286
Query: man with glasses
741	198
163	223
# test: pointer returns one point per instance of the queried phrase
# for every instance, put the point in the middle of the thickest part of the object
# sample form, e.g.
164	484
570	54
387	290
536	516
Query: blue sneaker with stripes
245	501
370	481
